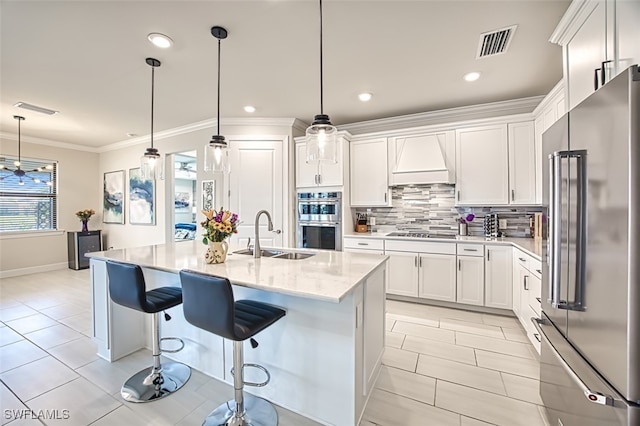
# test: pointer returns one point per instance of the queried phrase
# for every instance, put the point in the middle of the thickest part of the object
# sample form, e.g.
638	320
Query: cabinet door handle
458	196
513	195
603	74
385	197
526	282
415	261
537	336
470	249
522	259
595	78
488	255
420	261
363	244
459	265
319	179
539	271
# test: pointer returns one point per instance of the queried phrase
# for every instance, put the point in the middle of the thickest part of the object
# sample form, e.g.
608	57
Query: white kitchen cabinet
527	276
470	280
369	173
403	273
422	158
597	36
363	245
319	175
498	276
585	53
422	269
482	166
522	164
547	113
437	277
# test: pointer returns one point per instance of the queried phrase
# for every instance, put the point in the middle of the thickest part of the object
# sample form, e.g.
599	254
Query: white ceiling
87	60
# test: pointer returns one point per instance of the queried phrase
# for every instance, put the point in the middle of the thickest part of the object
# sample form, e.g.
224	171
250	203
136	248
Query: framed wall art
142	199
113	197
208	194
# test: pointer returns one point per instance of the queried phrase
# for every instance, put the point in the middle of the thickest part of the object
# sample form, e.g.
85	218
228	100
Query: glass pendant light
215	152
151	164
321	135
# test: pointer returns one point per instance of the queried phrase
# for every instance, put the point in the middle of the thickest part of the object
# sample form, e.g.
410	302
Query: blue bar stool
127	288
208	303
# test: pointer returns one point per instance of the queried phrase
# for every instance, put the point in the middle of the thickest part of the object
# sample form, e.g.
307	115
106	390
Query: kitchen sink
277	254
293	255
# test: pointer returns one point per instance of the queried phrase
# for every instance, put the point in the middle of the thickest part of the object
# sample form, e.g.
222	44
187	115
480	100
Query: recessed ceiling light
472	76
160	40
365	97
249	108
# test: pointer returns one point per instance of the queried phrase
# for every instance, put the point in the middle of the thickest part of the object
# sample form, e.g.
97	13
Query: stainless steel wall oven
319	220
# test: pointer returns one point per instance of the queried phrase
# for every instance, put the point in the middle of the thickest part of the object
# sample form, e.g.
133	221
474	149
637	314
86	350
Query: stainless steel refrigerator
590	326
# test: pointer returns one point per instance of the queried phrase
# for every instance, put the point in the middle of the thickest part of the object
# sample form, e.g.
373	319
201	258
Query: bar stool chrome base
257	412
146	386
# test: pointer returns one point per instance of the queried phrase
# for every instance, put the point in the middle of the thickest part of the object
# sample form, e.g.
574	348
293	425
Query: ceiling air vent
495	42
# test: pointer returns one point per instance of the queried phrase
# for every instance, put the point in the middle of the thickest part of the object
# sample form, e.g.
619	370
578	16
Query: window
28	195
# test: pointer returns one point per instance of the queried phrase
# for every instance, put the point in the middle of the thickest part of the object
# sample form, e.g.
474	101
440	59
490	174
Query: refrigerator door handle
592	396
581	230
555	234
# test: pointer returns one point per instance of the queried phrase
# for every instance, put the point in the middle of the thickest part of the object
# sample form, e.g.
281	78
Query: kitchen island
324	355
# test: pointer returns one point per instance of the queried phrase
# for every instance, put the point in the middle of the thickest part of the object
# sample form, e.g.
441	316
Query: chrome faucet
256	245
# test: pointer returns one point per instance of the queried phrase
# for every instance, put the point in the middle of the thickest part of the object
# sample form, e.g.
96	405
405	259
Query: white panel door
498	278
470	280
403	273
437	277
482	166
522	164
256	183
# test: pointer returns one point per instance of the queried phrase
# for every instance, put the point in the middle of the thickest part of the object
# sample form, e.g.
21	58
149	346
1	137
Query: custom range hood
422	159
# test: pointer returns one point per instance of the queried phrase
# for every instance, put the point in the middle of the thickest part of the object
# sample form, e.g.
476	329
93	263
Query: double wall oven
319	217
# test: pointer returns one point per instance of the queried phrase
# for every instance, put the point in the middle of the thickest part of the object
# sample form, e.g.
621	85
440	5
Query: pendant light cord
19	160
321	79
218	121
153	71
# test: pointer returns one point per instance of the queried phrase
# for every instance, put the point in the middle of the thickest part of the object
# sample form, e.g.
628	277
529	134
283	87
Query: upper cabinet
522	165
320	175
482	171
422	159
368	173
599	40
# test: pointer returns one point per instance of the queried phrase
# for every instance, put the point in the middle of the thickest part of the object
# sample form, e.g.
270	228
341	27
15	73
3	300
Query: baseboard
33	270
453	305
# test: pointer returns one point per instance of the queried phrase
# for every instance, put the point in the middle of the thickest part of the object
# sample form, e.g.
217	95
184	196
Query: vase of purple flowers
462	224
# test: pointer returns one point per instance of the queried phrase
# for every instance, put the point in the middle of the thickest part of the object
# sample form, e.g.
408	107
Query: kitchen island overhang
324	355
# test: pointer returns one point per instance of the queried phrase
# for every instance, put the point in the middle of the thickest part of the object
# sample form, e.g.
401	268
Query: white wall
79	188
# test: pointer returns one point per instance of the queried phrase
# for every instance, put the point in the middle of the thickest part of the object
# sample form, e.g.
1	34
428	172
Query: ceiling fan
185	166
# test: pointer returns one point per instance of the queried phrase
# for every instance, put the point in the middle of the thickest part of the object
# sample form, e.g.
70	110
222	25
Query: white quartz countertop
530	246
328	276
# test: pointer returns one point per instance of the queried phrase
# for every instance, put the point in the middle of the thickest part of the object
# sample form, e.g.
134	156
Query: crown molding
445	116
47	142
206	124
577	12
557	90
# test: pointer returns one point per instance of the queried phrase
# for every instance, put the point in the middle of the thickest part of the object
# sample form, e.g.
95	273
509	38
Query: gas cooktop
418	235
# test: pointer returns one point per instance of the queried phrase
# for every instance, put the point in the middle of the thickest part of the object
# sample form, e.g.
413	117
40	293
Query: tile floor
441	367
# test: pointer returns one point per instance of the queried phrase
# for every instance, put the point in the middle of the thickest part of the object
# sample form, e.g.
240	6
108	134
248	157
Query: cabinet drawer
535	267
535	289
470	250
421	247
364	243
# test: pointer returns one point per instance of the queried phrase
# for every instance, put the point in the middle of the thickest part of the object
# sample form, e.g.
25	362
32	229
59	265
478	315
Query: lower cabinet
498	277
470	280
419	269
527	276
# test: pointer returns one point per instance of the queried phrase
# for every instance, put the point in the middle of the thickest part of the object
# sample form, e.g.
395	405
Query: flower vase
216	252
85	225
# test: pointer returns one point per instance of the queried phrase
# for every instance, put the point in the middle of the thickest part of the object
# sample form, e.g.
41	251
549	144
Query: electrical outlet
502	223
